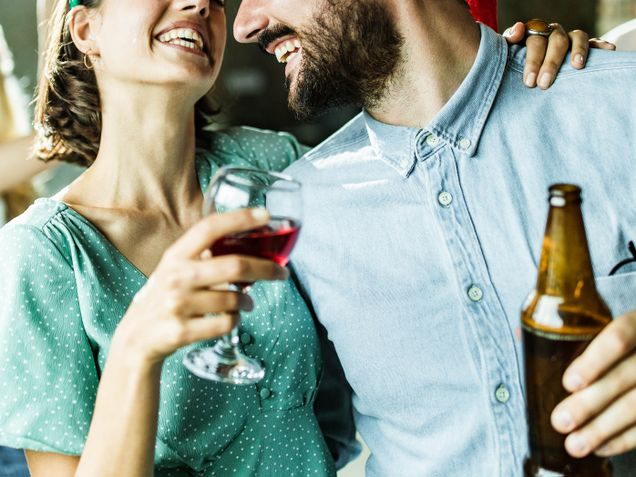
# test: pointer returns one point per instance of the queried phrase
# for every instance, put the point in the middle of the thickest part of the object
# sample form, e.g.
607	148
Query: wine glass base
225	367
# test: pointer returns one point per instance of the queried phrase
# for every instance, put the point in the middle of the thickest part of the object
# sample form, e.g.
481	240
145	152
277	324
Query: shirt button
432	140
445	198
464	143
265	393
502	394
475	293
246	338
404	163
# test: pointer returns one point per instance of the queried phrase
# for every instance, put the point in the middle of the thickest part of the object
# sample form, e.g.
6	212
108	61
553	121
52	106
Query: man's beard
349	57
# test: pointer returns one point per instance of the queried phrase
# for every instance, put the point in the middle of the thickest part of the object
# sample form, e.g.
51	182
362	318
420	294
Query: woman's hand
169	311
545	55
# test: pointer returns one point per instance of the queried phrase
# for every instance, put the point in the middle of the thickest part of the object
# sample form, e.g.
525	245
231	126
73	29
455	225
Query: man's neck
440	47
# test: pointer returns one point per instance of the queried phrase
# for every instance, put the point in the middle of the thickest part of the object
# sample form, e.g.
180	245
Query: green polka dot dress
64	290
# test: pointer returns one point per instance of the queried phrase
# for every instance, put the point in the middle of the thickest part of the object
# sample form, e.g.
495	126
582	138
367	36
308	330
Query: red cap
484	11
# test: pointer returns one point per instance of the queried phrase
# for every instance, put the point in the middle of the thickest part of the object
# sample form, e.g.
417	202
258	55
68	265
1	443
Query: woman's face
171	42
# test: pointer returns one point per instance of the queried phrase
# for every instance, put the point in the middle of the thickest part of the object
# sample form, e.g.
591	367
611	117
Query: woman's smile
185	36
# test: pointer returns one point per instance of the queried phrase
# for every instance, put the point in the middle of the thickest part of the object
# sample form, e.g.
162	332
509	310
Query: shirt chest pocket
619	292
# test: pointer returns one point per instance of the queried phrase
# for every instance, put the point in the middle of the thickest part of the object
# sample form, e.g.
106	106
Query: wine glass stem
230	340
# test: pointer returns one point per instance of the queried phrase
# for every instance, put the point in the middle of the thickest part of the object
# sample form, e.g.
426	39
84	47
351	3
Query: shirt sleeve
333	405
48	375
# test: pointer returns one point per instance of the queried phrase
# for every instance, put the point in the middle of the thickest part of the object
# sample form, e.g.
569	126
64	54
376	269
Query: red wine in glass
273	241
234	188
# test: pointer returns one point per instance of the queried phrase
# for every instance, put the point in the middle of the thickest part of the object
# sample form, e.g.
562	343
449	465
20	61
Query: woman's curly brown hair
68	119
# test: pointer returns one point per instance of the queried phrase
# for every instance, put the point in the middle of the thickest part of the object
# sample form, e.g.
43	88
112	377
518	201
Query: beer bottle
559	319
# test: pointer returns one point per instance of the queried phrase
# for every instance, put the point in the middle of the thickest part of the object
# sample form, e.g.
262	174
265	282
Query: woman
105	285
90	243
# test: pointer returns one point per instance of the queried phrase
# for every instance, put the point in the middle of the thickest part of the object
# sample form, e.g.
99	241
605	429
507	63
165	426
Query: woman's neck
146	155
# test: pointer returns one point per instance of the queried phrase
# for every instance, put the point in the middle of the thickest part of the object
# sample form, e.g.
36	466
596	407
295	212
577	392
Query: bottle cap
560	194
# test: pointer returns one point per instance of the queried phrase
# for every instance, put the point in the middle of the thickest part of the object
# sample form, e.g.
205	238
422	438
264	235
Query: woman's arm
123	429
17	164
165	315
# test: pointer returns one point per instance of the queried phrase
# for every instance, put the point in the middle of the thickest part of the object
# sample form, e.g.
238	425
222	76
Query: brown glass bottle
561	316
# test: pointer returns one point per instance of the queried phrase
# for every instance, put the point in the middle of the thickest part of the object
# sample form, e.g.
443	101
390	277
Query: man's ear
83	26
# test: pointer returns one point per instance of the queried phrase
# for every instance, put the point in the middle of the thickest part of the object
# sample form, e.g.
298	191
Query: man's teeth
183	37
284	51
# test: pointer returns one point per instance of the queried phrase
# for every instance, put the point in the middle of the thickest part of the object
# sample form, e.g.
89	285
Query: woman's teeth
285	50
183	37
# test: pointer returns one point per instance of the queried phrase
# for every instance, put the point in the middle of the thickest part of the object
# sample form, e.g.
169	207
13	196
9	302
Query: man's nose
250	21
202	7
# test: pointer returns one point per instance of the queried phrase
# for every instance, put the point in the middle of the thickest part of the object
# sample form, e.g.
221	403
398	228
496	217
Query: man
424	217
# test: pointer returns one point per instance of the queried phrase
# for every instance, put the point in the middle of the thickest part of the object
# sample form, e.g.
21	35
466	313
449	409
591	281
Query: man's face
336	52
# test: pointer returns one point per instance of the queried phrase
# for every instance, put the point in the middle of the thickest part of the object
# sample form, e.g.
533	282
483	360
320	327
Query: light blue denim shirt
419	247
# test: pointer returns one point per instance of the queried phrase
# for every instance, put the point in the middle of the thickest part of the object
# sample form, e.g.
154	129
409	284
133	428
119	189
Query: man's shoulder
598	61
349	139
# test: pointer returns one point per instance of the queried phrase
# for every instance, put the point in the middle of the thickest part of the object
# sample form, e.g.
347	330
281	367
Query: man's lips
271	48
284	47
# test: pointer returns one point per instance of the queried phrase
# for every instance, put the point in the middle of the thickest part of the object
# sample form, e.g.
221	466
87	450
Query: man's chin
299	101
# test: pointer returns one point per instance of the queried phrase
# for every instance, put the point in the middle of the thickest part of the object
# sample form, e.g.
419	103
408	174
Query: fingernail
604	451
577	444
530	79
563	420
283	274
260	213
578	59
511	31
544	81
573	382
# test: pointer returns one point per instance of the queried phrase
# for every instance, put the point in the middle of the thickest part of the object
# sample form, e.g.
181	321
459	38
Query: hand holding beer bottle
561	317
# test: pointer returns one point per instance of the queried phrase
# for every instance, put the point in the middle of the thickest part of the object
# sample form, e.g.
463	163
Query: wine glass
235	188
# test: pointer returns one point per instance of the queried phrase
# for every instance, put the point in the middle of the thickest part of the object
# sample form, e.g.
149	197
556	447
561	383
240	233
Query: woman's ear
82	26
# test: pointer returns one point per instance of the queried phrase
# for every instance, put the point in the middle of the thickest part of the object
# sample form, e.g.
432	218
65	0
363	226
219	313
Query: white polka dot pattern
64	289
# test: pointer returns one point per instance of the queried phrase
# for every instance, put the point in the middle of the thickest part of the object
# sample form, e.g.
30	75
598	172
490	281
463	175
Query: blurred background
251	92
252	87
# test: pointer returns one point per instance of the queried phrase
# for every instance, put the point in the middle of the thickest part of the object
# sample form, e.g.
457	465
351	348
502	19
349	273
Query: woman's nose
250	21
202	7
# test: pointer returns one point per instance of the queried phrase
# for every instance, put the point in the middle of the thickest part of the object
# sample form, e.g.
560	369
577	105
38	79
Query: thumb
515	33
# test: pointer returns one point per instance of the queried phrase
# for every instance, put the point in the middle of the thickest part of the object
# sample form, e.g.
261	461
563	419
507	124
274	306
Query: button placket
502	394
475	293
445	198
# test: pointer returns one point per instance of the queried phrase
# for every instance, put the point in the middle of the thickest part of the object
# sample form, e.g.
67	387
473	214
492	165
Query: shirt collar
460	122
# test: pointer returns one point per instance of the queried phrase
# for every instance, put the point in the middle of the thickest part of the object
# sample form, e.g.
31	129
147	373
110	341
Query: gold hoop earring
86	63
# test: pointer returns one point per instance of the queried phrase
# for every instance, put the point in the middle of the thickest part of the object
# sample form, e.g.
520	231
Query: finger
558	46
618	339
601	44
210	272
203	302
615	419
203	234
205	328
516	33
583	405
580	47
619	444
535	52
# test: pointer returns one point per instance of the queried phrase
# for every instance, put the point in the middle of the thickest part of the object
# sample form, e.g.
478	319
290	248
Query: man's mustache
266	37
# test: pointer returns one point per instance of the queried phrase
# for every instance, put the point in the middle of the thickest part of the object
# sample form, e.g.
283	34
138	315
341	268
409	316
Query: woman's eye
220	3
